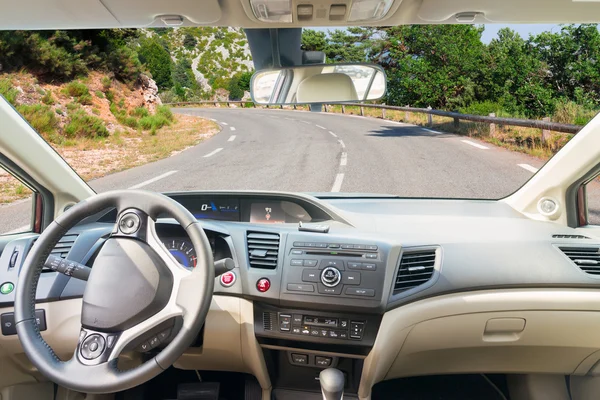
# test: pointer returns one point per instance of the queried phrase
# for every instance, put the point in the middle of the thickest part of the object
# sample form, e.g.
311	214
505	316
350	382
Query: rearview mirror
318	83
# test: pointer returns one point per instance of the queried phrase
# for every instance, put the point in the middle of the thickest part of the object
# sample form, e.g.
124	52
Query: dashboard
335	280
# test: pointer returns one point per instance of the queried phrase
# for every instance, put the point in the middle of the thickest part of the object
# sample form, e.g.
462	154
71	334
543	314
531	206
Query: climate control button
331	276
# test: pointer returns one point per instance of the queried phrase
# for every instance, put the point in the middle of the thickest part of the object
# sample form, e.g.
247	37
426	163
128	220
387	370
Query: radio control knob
331	276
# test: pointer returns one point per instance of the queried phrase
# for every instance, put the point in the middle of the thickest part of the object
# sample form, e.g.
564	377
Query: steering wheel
136	293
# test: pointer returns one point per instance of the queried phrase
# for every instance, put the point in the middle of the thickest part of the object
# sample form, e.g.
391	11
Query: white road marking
213	120
290	119
475	144
342	143
332	134
225	123
529	168
212	153
231	138
149	181
319	126
344	159
232	128
305	122
432	131
337	184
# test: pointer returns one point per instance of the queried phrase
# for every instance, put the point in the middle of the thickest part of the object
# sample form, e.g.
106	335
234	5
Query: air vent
569	237
268	318
263	249
586	258
416	268
63	247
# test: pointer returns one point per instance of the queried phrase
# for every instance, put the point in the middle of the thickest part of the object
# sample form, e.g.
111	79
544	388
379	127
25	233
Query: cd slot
333	253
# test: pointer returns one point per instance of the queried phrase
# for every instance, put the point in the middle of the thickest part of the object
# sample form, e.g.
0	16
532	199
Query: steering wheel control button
227	279
92	347
144	347
331	277
7	288
129	223
164	335
155	341
110	341
263	284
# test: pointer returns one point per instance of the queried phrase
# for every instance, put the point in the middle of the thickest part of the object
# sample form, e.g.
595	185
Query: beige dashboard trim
446	334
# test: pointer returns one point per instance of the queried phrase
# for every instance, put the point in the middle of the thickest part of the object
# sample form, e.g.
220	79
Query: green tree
515	78
235	91
189	41
313	40
431	65
245	78
157	59
183	75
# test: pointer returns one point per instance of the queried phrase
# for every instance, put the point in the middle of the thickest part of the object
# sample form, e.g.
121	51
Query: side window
16	204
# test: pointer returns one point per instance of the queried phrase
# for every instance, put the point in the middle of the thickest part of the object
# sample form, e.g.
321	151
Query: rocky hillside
206	63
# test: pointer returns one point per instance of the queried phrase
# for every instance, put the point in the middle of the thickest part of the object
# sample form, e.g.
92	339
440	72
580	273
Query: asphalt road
316	152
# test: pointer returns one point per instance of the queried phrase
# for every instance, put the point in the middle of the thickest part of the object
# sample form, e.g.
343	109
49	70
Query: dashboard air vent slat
569	237
263	249
268	321
63	247
416	268
586	258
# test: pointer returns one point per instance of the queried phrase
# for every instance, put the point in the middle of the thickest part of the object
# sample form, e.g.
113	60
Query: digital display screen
220	210
267	213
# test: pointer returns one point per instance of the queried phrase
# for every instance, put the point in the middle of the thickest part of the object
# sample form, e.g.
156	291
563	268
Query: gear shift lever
332	384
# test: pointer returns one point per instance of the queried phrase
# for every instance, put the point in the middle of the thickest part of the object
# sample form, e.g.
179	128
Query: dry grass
525	140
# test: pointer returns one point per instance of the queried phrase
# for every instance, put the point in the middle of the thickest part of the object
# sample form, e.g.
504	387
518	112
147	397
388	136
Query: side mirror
318	83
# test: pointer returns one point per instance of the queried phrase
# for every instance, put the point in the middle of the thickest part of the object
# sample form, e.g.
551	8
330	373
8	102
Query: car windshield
170	109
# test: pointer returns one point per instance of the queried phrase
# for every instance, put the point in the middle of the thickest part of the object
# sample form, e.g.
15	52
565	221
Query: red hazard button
228	279
263	285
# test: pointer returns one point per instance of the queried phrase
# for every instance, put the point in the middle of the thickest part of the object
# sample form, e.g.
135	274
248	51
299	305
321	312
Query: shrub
569	112
99	94
140	112
106	83
165	111
8	91
131	122
110	95
189	42
84	125
72	106
482	108
40	117
76	89
47	98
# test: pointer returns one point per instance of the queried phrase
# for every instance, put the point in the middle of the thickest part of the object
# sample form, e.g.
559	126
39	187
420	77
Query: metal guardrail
545	125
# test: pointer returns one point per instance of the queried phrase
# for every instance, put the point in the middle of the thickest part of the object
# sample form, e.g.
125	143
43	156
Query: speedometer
183	251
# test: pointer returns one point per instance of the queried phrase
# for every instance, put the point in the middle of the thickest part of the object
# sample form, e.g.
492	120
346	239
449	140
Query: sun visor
132	13
510	11
55	14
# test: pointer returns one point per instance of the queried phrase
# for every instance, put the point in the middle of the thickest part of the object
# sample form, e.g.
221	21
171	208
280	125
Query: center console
329	309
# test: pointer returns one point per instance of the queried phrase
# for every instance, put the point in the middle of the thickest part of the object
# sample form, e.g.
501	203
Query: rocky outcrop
149	92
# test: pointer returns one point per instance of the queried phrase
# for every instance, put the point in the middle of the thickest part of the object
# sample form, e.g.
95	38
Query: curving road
317	152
